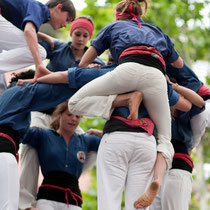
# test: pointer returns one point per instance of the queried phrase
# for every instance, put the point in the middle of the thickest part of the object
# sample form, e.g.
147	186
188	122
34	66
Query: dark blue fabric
184	76
56	155
19	12
173	96
17	102
62	57
121	33
181	128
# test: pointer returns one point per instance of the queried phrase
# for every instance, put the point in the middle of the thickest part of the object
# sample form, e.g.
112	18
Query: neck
78	53
66	135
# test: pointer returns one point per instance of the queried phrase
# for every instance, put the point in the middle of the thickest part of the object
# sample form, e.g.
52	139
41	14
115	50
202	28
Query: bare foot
134	101
147	198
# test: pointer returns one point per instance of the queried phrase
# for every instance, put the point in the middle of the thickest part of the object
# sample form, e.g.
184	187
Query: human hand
23	81
94	65
95	132
51	41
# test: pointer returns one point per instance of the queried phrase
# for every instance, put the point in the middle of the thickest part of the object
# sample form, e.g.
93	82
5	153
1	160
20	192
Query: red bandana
119	15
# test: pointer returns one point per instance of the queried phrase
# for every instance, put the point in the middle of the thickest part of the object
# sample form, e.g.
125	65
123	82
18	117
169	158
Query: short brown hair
68	6
61	108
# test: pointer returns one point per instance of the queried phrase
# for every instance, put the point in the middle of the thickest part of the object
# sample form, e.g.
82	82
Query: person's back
122	33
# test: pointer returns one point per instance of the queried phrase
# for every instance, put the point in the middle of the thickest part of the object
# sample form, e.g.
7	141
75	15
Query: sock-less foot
134	101
147	198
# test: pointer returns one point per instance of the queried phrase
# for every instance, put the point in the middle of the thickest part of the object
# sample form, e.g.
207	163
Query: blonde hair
140	7
61	108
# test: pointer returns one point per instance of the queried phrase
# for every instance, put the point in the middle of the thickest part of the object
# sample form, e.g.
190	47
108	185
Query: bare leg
147	198
132	101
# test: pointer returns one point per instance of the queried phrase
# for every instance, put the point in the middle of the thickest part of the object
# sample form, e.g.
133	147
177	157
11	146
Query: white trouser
29	174
175	193
9	182
17	55
96	98
44	204
125	160
199	123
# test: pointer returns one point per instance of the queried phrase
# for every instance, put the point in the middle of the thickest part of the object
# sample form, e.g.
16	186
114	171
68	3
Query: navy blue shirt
19	12
184	76
120	33
17	102
55	155
181	128
62	57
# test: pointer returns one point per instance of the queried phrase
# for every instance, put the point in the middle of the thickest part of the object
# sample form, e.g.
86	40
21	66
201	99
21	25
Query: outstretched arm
54	78
88	57
189	94
32	41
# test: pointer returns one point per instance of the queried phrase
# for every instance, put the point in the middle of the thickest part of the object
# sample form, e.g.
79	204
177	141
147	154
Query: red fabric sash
144	50
67	191
10	139
119	15
145	123
184	157
204	90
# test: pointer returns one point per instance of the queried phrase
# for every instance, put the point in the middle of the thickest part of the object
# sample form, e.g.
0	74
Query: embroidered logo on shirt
81	156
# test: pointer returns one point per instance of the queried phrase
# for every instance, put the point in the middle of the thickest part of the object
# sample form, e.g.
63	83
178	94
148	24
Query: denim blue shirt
62	57
17	102
19	12
120	33
55	155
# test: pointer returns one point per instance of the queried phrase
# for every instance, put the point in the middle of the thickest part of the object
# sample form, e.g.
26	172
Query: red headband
82	23
119	15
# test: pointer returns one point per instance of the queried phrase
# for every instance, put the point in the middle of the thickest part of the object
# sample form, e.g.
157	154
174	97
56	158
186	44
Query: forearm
190	95
32	41
44	37
88	57
54	78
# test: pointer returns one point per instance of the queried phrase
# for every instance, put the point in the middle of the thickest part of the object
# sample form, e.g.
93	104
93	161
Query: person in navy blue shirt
16	103
64	55
62	154
179	177
187	78
140	50
20	21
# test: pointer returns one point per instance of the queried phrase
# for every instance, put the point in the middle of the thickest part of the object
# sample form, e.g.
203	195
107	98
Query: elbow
201	104
188	107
